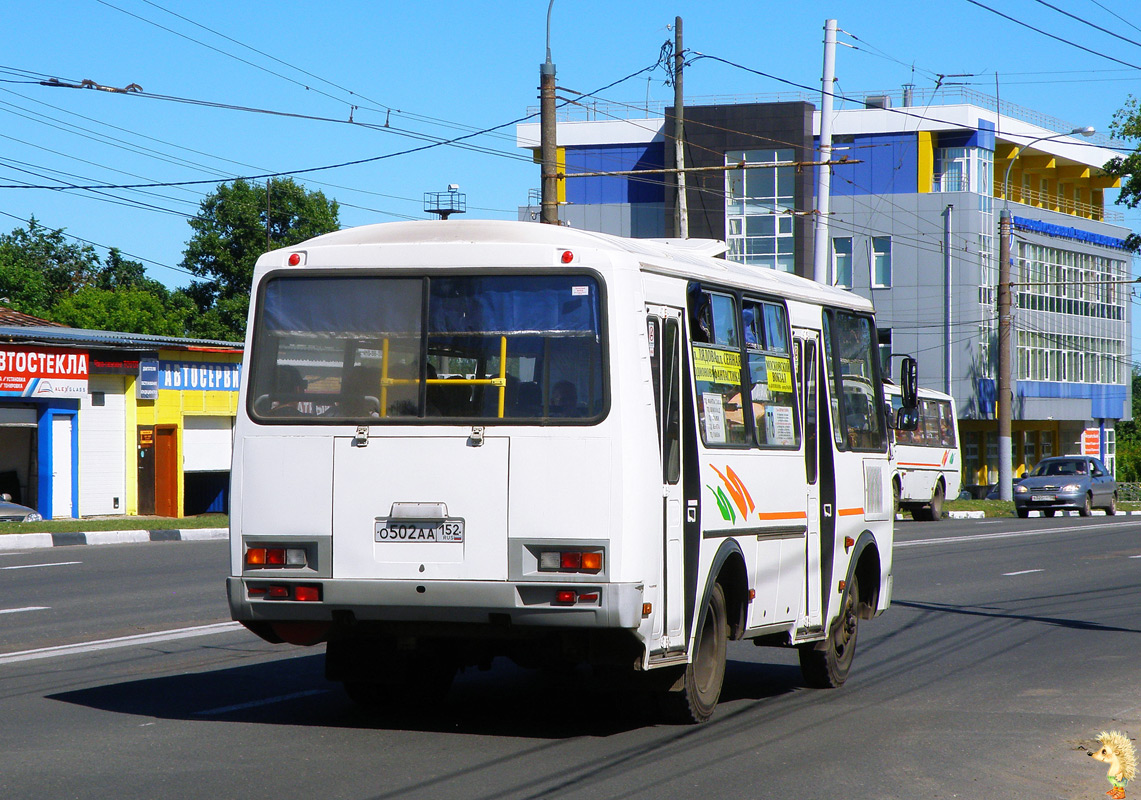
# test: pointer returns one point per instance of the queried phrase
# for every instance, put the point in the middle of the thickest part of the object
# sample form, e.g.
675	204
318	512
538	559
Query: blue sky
444	69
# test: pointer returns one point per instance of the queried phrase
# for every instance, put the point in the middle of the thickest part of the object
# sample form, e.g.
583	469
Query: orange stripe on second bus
850	512
782	515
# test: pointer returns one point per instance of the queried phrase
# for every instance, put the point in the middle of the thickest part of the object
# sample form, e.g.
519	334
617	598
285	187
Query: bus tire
825	664
694	695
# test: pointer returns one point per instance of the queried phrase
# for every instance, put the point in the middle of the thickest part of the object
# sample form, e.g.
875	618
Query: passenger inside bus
564	400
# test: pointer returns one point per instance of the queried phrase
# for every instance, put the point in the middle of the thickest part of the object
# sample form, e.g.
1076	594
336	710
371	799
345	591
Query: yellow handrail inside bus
499	382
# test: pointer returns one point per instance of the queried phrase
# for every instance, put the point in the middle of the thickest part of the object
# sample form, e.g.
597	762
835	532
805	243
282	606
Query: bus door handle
827	509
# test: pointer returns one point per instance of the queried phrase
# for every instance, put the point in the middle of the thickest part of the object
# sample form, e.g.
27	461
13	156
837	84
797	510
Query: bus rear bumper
497	603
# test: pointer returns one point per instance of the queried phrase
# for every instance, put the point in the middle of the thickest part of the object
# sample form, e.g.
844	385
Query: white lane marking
120	641
36	566
28	608
1021	572
1135	556
978	537
256	703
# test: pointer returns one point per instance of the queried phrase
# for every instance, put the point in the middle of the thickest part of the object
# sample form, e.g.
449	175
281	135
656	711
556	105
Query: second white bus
926	463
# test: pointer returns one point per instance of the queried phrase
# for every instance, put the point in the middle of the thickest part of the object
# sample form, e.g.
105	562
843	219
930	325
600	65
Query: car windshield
332	349
1064	467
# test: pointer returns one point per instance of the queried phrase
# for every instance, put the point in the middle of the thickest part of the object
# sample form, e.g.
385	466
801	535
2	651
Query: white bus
926	467
464	440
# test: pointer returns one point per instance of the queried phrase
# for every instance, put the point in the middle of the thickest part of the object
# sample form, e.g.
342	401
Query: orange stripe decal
850	512
782	515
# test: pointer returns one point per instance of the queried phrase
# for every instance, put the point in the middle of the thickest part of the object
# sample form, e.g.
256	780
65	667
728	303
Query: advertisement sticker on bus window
650	335
716	366
580	291
714	418
780	373
778	425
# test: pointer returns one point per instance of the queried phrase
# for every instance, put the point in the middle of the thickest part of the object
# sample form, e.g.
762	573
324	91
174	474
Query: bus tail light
300	594
570	597
565	597
570	560
291	557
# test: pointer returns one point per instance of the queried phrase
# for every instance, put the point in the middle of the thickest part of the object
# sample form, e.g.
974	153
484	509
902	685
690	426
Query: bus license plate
1042	498
405	530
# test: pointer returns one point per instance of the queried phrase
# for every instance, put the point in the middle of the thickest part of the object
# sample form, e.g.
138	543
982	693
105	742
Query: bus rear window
332	349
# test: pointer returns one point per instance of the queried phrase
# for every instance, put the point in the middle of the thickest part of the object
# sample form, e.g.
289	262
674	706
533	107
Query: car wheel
1023	513
1049	512
1087	506
1111	509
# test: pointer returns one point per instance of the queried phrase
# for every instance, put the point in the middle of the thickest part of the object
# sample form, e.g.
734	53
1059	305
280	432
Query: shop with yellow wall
180	430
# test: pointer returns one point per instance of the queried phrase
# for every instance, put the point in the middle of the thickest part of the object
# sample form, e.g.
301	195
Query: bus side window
717	370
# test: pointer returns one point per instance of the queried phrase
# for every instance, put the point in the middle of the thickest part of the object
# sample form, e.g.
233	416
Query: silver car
1078	482
14	512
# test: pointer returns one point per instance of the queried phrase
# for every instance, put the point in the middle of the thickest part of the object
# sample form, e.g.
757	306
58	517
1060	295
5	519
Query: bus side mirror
907	417
909	382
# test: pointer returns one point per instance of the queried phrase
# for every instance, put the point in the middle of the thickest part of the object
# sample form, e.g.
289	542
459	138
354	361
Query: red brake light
307	594
278	593
564	597
275	556
572	560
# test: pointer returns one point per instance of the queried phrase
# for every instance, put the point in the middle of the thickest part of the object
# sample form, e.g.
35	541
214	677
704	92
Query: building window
758	209
881	262
842	261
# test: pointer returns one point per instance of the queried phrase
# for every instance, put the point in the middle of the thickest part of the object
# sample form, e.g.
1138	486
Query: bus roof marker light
567	257
294	259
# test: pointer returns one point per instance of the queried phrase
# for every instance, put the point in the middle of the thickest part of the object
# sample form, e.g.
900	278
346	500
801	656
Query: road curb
27	541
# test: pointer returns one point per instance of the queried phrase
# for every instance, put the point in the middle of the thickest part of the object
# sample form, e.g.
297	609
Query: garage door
206	443
103	447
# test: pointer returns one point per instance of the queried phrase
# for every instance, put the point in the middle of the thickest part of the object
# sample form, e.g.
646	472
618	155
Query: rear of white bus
423	471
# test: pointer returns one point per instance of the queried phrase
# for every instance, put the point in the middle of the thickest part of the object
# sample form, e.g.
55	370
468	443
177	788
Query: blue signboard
146	387
203	376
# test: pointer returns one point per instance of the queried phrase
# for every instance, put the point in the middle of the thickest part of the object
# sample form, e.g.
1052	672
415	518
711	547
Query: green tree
1126	125
39	267
130	310
1128	438
230	232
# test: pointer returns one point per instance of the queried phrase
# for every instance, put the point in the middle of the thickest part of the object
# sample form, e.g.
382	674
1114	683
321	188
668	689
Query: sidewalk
25	541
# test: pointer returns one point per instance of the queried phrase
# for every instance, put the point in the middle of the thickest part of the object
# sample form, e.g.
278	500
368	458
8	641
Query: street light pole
1005	395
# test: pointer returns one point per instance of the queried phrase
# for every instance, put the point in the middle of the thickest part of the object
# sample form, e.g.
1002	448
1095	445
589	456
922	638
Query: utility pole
268	244
947	276
821	242
548	143
681	209
1003	401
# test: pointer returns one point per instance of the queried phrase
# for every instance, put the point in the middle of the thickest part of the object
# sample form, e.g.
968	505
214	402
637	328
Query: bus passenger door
807	347
664	326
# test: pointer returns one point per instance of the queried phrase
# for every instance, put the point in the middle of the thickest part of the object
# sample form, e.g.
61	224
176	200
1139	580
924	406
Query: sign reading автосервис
42	372
208	376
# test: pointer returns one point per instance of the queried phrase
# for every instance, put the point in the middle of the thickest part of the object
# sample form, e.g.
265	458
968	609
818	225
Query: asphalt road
1010	645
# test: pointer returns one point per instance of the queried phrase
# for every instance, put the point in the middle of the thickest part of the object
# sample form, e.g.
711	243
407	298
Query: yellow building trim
561	171
926	162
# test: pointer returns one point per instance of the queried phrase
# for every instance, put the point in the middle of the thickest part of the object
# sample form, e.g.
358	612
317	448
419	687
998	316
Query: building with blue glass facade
913	226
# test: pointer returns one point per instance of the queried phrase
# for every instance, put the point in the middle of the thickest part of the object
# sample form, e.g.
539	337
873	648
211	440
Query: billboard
42	372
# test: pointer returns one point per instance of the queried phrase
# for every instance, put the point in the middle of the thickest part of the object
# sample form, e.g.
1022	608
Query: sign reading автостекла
43	372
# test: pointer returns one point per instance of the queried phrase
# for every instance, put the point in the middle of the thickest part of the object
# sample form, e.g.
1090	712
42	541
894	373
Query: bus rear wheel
694	695
825	664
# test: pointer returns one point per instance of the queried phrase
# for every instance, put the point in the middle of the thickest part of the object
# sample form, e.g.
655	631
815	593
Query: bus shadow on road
504	701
